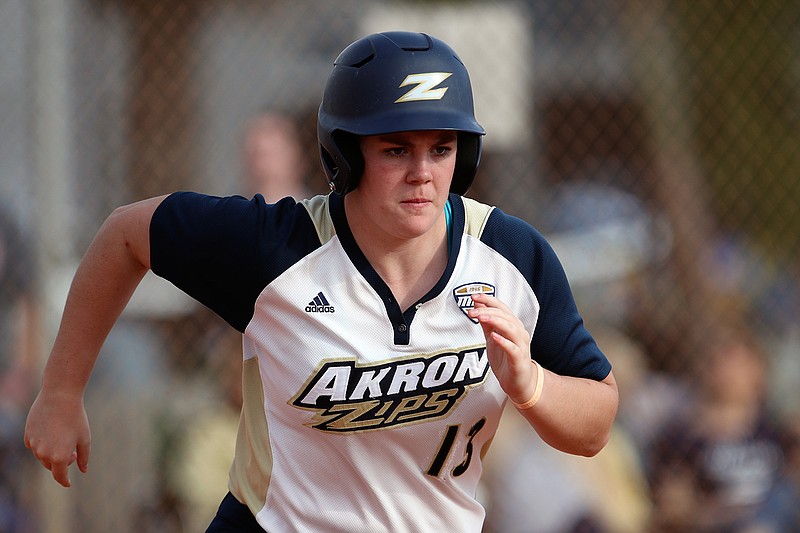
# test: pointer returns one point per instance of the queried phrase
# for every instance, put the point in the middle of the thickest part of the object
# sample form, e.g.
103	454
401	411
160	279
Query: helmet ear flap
350	148
468	158
342	162
330	167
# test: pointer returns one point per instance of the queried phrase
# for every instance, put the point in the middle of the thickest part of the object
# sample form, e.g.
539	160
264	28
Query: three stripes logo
319	304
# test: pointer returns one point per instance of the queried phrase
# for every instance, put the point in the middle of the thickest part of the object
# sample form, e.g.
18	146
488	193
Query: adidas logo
319	304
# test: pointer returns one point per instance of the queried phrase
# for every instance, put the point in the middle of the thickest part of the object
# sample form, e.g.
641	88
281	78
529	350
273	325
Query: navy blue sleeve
224	251
561	342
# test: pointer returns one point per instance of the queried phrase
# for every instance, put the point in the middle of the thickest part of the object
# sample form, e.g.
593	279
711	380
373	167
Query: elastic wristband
537	393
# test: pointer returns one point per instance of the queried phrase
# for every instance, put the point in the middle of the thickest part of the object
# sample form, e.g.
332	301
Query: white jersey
359	416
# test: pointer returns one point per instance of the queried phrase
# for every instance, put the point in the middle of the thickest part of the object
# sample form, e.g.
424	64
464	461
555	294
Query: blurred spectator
648	398
202	430
132	383
721	466
605	236
529	487
274	158
18	352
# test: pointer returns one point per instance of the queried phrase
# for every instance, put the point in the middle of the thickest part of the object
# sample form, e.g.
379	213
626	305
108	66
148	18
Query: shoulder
476	214
229	220
224	250
319	211
513	238
492	224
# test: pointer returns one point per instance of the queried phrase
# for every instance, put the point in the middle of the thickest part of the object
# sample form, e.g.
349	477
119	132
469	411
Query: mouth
417	201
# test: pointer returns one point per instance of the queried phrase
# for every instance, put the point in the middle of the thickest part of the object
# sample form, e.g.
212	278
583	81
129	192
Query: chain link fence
656	144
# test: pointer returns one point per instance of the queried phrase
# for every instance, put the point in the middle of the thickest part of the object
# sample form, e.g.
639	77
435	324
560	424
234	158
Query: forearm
106	278
574	415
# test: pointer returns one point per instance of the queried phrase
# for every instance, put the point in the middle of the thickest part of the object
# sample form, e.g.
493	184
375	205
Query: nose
421	169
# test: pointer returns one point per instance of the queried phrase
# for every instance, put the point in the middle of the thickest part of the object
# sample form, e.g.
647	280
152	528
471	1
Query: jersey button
402	328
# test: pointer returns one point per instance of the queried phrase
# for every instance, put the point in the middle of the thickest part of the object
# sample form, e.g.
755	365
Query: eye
443	150
396	151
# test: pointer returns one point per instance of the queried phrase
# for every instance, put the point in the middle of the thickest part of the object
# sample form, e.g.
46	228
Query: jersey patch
463	295
350	397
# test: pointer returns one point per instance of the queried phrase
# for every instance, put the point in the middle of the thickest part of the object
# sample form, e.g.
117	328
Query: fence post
52	160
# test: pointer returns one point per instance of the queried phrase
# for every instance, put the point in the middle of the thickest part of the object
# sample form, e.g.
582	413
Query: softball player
384	325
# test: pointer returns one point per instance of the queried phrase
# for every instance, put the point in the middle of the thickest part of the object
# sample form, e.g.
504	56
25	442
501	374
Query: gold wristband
537	393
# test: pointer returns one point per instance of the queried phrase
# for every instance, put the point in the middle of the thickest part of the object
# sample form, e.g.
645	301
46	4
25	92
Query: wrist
63	388
537	392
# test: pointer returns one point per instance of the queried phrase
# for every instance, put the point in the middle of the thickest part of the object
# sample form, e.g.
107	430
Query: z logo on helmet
425	83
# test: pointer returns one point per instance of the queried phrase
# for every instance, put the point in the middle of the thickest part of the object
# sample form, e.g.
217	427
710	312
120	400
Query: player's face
406	180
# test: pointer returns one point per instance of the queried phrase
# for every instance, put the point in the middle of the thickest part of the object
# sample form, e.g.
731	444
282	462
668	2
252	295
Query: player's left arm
572	414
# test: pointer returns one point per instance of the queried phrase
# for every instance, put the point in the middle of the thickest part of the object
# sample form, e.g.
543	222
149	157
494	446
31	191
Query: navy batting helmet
391	82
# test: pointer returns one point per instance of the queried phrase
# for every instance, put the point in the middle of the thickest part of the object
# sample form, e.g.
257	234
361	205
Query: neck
410	267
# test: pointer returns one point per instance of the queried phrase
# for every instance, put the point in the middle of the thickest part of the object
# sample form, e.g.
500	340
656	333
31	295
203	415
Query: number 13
447	446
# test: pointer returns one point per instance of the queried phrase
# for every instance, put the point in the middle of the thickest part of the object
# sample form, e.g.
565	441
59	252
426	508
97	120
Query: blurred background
656	144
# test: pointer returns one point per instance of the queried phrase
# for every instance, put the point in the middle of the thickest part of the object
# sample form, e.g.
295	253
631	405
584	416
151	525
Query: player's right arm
57	429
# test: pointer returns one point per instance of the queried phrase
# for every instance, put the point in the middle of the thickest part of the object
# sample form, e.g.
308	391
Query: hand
57	432
507	346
